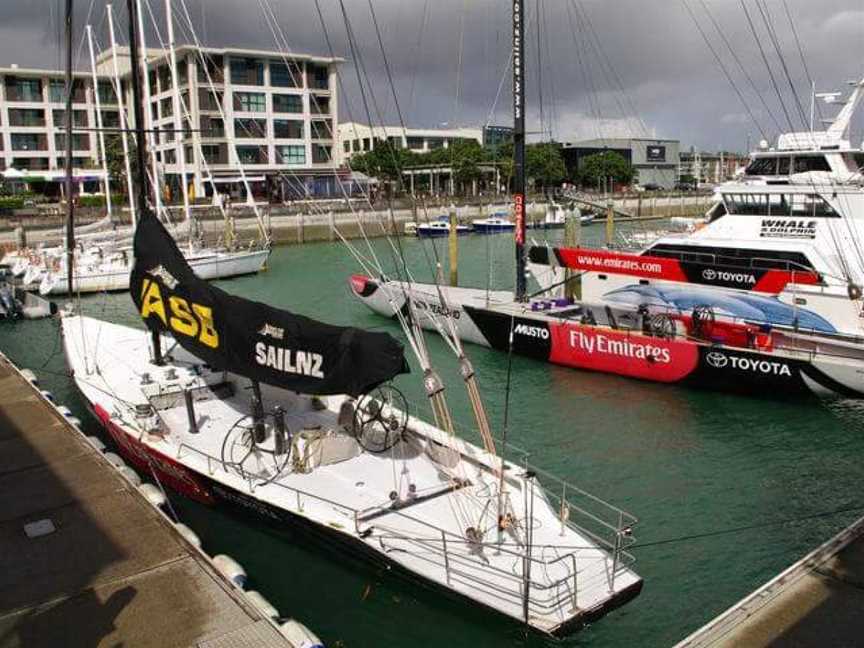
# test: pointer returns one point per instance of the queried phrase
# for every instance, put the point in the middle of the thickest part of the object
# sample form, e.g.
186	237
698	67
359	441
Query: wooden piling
610	224
454	249
572	239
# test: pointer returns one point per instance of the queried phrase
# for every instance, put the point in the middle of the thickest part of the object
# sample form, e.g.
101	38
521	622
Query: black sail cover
249	338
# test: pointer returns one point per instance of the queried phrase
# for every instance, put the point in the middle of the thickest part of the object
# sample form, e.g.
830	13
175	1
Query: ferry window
784	164
805	163
762	166
776	204
732	257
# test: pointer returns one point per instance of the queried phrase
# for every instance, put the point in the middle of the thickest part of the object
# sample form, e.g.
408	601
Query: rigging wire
801	54
724	69
767	65
719	29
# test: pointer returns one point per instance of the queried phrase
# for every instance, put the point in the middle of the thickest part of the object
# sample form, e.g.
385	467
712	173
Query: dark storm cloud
447	58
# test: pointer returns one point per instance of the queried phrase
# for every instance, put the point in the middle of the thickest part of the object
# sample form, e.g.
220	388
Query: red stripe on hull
170	472
585	347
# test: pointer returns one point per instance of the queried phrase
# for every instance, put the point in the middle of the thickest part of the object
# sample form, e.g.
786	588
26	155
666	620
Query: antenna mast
70	207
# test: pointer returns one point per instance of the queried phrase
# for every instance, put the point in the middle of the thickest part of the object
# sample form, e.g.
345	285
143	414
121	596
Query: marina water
711	477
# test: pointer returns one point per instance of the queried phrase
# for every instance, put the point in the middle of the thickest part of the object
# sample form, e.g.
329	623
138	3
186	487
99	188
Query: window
762	166
346	146
435	142
319	105
23	89
79	118
805	163
284	103
211	67
283	76
208	100
107	96
250	128
166	107
783	165
79	142
287	129
293	154
320	154
250	102
164	74
318	77
395	141
801	204
247	71
27	142
252	155
56	91
26	117
34	164
213	154
321	129
212	127
732	257
415	143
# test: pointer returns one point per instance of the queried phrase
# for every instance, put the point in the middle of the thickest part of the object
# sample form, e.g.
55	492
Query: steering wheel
380	418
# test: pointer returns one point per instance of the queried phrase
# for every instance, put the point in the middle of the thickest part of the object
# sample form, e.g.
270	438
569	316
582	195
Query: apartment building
710	167
234	114
33	121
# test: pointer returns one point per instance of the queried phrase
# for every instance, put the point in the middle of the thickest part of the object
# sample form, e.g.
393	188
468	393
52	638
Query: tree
601	167
114	158
384	162
544	164
465	159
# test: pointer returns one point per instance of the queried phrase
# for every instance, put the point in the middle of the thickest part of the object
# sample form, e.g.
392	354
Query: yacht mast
98	102
141	148
179	132
118	89
148	112
70	208
519	144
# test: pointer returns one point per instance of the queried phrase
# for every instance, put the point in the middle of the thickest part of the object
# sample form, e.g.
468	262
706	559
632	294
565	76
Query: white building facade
356	138
271	116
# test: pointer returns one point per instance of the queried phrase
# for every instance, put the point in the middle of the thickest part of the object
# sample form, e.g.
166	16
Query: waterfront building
656	161
355	137
708	167
273	115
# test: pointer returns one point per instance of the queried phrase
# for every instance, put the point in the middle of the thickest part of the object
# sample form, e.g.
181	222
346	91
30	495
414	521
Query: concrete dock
818	601
110	569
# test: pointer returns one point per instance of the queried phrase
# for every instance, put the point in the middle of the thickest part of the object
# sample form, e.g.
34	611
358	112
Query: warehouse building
656	161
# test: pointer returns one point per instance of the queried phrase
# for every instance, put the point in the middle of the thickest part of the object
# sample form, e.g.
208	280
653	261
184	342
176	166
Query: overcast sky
608	67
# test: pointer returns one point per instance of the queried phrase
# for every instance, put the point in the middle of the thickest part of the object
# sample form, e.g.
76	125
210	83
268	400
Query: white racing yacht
232	401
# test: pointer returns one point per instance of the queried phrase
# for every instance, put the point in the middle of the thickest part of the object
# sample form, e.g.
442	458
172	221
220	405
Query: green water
684	462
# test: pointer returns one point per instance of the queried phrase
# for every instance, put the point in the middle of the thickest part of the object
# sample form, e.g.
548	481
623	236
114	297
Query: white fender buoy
30	376
115	460
299	635
96	442
190	536
264	606
65	411
130	475
74	420
155	496
231	569
47	395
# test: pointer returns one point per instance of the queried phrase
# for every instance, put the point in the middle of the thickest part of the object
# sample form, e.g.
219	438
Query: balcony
28	142
24	90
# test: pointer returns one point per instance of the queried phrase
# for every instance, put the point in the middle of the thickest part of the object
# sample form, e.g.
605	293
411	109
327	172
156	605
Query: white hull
405	506
216	265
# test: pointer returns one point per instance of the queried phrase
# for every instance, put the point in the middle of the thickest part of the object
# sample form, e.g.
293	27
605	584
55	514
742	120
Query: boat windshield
777	204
